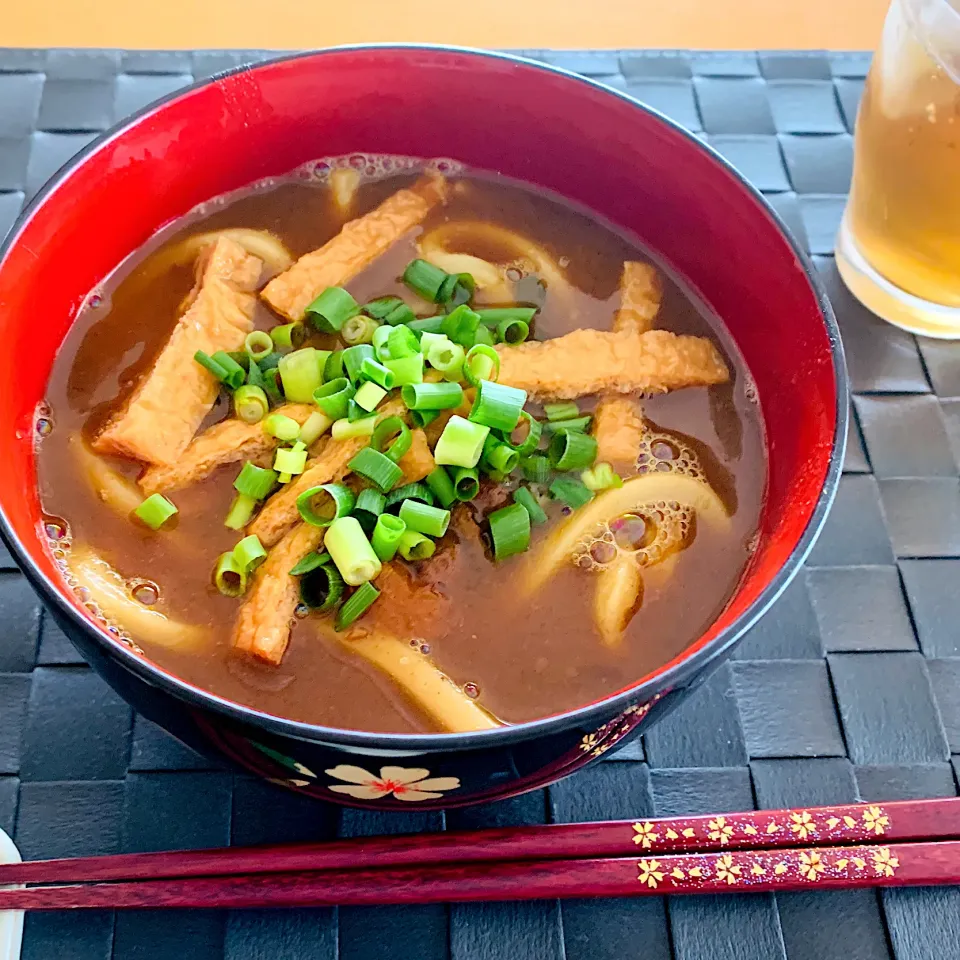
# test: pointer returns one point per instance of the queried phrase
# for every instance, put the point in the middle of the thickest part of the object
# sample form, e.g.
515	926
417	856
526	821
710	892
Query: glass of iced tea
899	244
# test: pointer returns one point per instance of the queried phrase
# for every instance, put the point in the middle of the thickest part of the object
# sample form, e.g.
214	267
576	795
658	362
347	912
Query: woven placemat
849	689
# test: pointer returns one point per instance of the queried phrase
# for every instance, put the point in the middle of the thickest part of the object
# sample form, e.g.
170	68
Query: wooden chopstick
874	865
766	829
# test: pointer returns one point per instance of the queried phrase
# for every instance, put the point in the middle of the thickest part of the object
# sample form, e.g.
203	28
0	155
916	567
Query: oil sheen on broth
522	655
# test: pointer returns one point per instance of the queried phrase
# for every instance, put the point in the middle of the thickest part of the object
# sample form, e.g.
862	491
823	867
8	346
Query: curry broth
527	657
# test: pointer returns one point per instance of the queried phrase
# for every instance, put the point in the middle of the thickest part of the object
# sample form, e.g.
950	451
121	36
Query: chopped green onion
254	374
333	367
402	342
426	324
270	362
271	384
389	310
386	536
282	427
369	395
240	357
290	460
254	481
240	512
572	492
461	443
415	546
314	427
353	358
370	504
301	373
350	550
448	358
406	369
499	457
375	372
250	403
310	562
482	363
532	439
509	530
466	481
494	316
441	486
353	429
561	411
457	289
460	325
387	428
600	477
332	309
155	511
249	553
483	336
512	331
211	365
289	336
382	307
572	451
358	329
320	506
498	406
424	279
574	425
427	340
432	396
410	491
421	418
228	576
359	603
376	468
433	521
529	502
258	344
333	396
356	412
380	345
322	587
536	469
223	367
401	313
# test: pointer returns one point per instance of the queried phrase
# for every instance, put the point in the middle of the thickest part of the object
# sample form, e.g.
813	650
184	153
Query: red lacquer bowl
578	138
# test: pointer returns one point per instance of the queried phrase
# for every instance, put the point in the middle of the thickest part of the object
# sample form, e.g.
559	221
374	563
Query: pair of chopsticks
858	845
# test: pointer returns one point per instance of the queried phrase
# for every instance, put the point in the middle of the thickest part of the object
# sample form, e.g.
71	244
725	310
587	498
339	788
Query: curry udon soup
400	447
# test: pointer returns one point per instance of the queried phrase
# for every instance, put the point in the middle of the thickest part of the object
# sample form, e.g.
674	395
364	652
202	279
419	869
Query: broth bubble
471	690
145	592
56	529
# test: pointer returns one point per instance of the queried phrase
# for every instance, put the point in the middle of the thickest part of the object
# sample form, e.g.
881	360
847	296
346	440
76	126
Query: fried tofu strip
357	245
418	461
640	294
171	400
618	422
618	429
593	361
280	512
262	629
229	441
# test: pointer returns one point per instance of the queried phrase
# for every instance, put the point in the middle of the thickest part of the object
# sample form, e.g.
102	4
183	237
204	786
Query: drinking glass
898	249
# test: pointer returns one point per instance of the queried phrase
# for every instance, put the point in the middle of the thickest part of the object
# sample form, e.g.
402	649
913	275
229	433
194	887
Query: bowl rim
599	710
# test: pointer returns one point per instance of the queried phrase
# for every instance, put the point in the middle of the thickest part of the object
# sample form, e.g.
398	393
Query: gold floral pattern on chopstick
793	868
779	828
